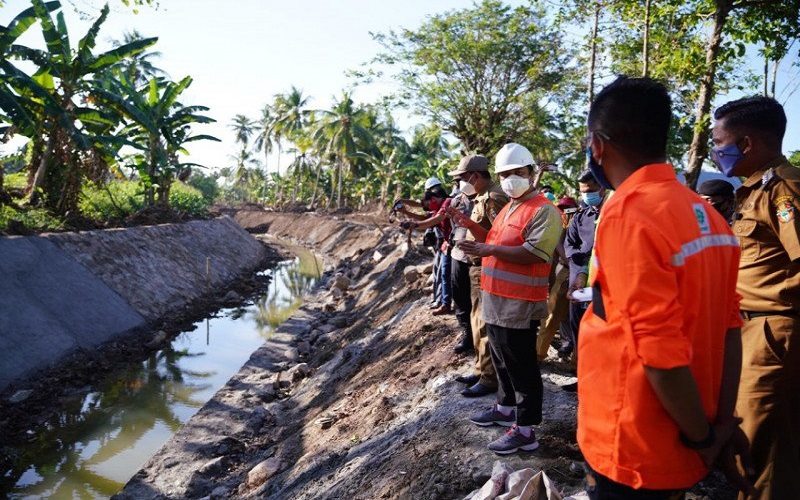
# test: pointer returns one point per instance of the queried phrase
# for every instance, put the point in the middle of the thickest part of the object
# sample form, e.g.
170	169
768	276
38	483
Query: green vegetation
488	74
90	118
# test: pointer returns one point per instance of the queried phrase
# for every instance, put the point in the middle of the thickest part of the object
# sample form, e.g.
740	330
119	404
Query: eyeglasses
587	141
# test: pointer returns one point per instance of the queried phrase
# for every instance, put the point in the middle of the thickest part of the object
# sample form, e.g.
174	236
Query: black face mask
725	208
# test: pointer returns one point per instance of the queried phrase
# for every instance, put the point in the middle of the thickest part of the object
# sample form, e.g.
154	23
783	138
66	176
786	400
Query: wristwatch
699	445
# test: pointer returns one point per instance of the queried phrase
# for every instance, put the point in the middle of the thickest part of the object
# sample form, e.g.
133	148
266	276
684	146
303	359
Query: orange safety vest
528	282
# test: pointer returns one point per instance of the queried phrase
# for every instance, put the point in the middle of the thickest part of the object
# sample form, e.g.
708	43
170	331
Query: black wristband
699	445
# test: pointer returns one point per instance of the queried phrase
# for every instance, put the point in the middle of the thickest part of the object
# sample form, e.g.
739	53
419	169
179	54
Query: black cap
716	187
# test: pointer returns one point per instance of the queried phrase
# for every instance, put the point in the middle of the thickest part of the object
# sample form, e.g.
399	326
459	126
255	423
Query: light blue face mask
592	198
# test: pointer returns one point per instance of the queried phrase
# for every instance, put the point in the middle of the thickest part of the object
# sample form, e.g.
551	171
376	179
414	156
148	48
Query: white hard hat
433	181
512	156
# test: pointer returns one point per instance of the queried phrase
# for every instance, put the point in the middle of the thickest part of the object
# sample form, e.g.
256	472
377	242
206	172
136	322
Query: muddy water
106	433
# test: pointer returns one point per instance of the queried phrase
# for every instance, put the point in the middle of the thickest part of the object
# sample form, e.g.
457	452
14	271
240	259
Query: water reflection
104	434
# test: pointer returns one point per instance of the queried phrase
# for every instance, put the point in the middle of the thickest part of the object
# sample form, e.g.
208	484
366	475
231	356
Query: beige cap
470	163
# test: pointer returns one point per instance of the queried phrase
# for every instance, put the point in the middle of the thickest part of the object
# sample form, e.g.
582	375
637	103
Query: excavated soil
354	397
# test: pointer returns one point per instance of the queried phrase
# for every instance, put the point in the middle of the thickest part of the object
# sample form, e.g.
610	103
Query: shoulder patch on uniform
702	217
784	208
768	175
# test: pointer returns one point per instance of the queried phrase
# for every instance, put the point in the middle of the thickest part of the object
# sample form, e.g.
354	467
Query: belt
748	315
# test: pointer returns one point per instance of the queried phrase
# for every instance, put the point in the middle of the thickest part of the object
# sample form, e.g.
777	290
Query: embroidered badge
784	208
702	217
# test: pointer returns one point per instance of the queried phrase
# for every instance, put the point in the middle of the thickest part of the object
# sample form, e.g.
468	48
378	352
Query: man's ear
598	147
746	144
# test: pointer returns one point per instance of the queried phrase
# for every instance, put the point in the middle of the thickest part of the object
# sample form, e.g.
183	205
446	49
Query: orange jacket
664	296
506	279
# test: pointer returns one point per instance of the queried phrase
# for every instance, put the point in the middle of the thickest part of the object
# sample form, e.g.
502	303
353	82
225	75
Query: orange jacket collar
654	172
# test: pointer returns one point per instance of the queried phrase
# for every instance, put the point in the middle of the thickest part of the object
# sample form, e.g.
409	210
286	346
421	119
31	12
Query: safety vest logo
702	218
784	209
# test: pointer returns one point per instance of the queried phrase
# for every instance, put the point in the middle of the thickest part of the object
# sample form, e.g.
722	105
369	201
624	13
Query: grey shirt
462	203
542	234
580	241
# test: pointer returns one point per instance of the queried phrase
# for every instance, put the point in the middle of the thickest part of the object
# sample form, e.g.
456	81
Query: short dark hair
716	187
634	113
757	113
482	173
587	177
543	187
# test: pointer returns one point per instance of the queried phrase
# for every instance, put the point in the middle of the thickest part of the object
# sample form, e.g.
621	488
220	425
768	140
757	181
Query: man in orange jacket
660	346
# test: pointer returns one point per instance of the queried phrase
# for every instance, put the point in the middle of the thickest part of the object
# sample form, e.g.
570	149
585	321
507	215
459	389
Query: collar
485	194
758	175
654	172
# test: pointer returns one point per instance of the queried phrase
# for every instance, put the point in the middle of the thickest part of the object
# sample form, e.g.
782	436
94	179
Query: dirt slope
379	415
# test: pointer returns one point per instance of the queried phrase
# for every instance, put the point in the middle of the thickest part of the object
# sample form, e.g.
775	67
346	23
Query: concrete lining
52	305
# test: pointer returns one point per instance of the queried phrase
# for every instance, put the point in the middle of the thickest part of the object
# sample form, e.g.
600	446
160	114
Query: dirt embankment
354	397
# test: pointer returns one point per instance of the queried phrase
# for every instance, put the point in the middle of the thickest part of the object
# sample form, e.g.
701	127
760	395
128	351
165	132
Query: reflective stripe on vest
529	282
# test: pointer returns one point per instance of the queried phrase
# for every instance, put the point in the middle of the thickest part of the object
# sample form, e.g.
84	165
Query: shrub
34	219
188	199
119	199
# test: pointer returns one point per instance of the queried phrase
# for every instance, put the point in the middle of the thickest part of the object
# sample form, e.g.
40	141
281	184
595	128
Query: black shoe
463	347
468	379
477	391
573	387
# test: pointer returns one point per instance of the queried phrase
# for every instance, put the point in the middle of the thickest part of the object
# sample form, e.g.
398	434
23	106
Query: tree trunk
339	190
316	185
766	76
699	147
593	55
297	173
646	41
333	185
41	171
774	77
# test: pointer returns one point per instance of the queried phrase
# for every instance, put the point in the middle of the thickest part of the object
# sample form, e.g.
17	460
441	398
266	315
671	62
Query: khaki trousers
483	363
558	309
769	403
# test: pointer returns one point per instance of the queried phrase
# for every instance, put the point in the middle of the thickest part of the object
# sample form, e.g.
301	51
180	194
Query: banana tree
59	85
156	124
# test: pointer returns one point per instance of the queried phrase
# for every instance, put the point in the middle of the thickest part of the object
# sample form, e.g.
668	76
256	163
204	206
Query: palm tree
243	127
139	68
340	128
264	131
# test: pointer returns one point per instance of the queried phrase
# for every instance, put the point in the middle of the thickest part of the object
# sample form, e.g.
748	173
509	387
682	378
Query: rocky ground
355	396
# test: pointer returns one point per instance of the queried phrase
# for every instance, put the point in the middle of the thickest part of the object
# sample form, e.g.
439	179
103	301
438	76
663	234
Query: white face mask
466	188
515	186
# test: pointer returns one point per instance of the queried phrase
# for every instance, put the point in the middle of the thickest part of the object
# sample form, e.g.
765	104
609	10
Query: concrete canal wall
67	291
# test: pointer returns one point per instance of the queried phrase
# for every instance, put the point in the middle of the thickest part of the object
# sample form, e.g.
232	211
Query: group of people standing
687	347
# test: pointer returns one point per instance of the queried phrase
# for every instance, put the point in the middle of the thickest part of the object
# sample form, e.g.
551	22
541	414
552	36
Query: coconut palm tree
339	130
244	128
264	130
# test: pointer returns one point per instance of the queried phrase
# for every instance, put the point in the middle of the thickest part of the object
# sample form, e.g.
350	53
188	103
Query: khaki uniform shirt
768	229
485	208
462	203
542	235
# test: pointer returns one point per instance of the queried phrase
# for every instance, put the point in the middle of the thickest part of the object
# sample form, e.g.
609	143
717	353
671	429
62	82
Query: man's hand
475	249
738	446
578	284
459	218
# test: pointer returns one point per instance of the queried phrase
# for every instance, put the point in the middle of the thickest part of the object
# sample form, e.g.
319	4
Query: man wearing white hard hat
516	258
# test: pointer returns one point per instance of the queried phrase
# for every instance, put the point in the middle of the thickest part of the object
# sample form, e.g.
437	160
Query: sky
240	53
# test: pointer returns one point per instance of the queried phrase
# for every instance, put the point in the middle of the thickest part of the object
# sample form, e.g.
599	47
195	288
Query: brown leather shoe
442	310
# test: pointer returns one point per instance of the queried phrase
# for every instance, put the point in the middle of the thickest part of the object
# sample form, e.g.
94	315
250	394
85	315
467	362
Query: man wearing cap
517	253
473	173
720	195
